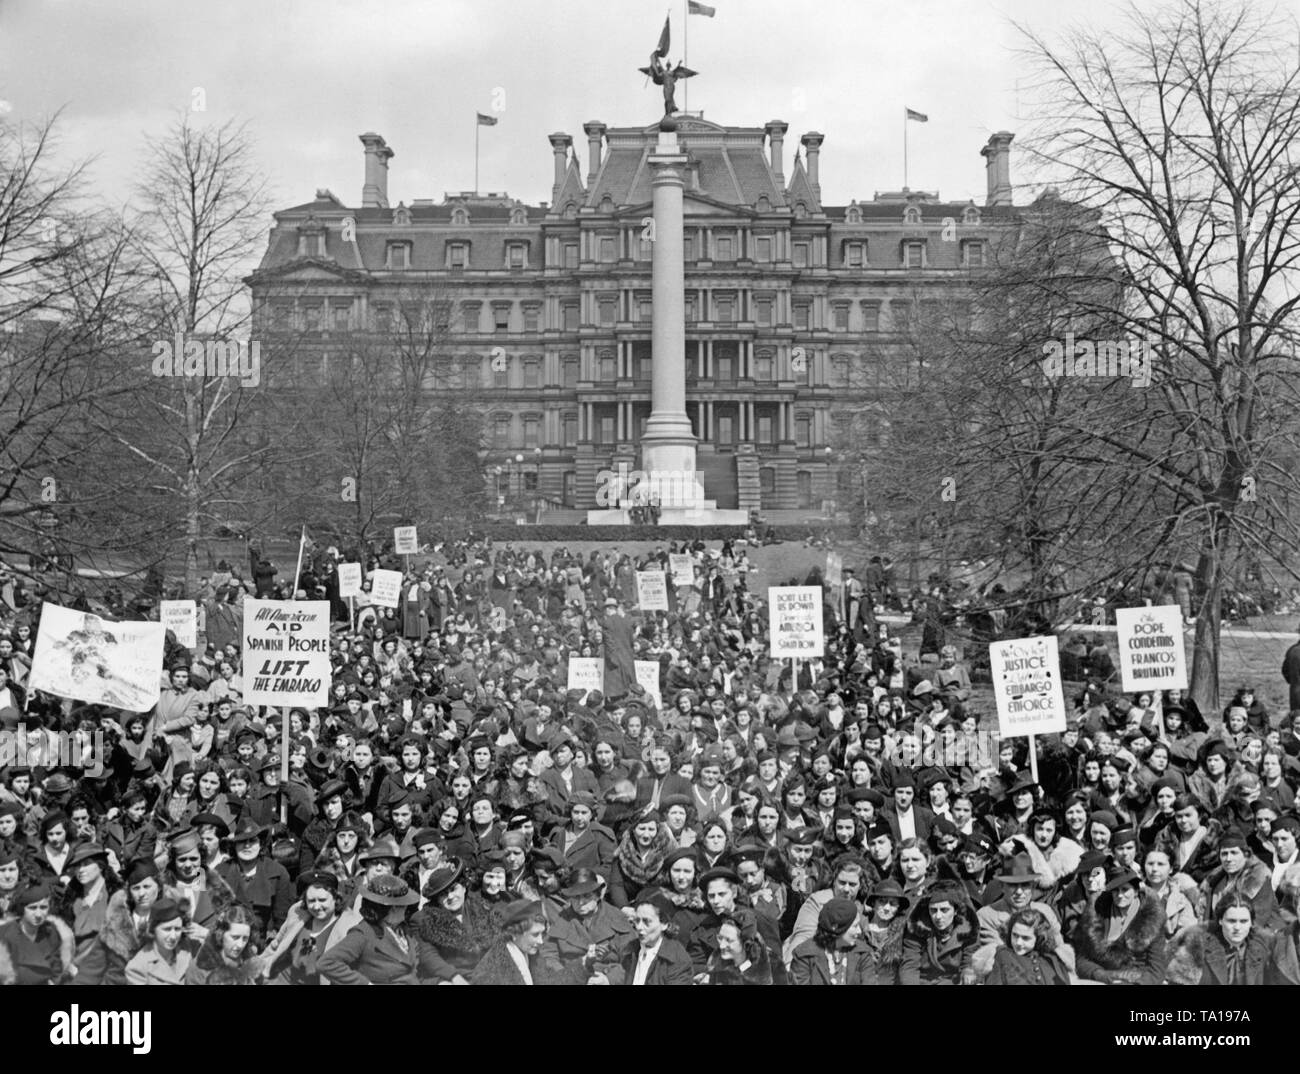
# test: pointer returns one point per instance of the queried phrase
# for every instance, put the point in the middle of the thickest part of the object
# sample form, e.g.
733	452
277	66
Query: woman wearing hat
177	804
941	938
1120	939
639	858
84	907
1239	872
342	854
131	836
267	886
835	955
679	885
315	923
585	936
126	918
379	950
454	929
515	959
48	859
166	959
884	928
33	949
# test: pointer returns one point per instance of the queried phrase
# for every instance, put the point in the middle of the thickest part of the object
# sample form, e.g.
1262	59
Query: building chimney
595	131
812	148
374	195
560	146
998	169
775	130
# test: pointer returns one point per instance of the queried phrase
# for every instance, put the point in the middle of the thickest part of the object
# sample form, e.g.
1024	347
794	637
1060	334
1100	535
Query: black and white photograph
555	493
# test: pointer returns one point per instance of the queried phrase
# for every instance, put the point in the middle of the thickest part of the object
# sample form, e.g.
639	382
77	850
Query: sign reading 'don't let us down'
794	615
1151	653
1027	684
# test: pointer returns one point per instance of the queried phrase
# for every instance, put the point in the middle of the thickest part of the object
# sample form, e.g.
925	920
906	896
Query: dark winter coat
1138	956
671	966
1035	968
1199	955
1254	882
451	947
808	965
932	960
496	967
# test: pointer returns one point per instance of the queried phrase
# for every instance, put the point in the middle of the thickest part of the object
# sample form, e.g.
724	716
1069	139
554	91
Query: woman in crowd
167	958
228	955
1120	939
941	938
315	923
33	950
1230	951
380	949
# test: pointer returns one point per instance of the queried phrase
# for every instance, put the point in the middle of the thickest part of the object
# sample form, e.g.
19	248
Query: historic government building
797	312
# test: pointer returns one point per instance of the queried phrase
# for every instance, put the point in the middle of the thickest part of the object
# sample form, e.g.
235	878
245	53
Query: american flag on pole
486	121
692	8
920	117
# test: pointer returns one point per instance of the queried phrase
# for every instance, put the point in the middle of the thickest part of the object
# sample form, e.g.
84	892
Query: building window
383	318
501	377
690	308
803	431
532	373
457	255
501	432
644	247
763	248
608	368
855	255
911	215
516	256
312	245
842	318
570	311
569	368
311	318
726	431
606	308
501	318
803	486
607	248
767	480
532	432
802	315
342	318
725	249
570	487
644	310
570	255
914	255
970	216
726	309
688	248
399	255
608	432
724	368
530	481
763	311
459	217
469	314
644	370
800	255
766	429
570	430
871	316
840	371
972	253
763	367
532	318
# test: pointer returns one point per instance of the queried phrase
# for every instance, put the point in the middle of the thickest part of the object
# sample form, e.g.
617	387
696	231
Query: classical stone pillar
668	446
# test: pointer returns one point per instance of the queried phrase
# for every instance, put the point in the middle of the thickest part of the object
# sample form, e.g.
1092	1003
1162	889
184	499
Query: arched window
911	215
402	215
570	211
763	205
853	214
459	217
518	217
970	215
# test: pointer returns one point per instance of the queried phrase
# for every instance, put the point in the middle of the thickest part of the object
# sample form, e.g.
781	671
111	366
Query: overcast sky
310	75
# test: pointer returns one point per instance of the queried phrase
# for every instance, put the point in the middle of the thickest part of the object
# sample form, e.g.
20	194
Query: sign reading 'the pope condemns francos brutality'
1151	653
794	616
1027	684
287	652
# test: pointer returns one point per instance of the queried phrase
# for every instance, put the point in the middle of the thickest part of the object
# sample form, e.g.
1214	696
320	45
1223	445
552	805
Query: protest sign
386	588
794	616
652	591
647	674
181	617
1027	685
404	541
1151	652
82	656
349	580
287	652
586	673
683	568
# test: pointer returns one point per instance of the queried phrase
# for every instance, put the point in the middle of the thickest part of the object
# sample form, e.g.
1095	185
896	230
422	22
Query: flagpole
905	147
302	542
477	124
686	53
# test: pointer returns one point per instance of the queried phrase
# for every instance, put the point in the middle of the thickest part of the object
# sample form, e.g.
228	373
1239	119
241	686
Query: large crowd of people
458	815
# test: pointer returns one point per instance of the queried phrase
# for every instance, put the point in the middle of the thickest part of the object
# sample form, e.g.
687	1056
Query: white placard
586	673
794	619
1151	651
683	568
647	674
181	617
652	591
1027	684
386	589
349	580
404	541
91	659
287	652
834	569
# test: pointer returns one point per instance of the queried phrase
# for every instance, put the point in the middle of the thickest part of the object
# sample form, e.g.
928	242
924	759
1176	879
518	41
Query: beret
837	916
